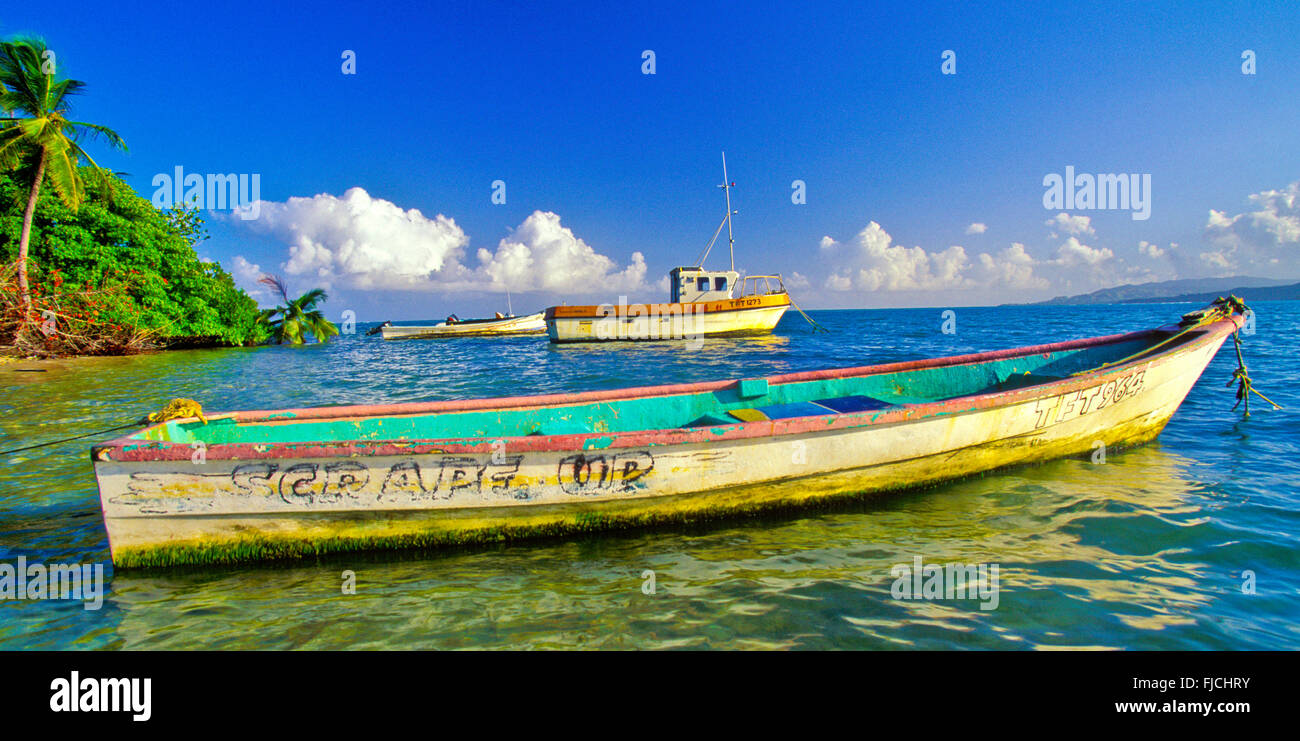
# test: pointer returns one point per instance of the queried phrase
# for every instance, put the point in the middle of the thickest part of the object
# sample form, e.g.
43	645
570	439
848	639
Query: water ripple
1151	550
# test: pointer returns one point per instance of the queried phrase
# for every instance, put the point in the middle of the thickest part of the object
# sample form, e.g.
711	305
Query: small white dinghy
499	325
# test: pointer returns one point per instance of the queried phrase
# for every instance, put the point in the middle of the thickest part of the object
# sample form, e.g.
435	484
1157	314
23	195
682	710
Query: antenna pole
705	255
726	189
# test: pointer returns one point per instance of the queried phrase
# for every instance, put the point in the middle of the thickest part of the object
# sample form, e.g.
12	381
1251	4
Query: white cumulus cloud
366	243
1013	267
362	242
977	228
1075	253
246	275
1262	240
544	255
797	281
1150	250
1070	224
875	263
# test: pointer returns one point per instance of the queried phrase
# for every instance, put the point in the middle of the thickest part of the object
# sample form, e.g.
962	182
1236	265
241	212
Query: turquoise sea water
1150	550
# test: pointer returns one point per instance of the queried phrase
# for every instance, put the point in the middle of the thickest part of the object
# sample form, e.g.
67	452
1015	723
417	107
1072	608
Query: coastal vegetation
114	276
87	266
37	138
296	318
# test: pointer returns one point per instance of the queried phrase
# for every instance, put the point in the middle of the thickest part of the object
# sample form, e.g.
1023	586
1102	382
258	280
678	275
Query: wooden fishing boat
500	325
268	484
701	303
755	309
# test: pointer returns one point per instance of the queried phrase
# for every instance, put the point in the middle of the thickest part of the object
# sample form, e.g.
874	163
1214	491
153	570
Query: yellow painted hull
745	316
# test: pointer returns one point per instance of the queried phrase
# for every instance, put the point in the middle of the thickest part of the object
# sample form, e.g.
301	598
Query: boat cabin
692	285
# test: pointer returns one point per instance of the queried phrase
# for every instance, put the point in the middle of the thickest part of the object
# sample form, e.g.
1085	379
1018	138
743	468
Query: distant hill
1248	293
1186	289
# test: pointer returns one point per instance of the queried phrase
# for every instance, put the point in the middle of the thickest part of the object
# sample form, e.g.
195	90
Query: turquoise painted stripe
907	387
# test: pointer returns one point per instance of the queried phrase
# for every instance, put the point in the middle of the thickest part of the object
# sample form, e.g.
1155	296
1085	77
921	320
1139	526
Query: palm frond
322	328
20	65
308	300
37	102
94	132
61	172
11	146
276	282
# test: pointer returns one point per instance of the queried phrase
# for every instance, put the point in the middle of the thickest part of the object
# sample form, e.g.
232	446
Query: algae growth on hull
240	539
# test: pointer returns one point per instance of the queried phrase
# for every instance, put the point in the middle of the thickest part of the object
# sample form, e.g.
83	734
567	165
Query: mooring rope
178	409
1219	309
814	324
69	439
1244	385
175	409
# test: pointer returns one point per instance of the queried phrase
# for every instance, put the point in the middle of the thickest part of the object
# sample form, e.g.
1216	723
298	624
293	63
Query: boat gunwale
130	448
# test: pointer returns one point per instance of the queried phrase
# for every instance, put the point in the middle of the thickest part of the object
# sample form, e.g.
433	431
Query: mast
726	189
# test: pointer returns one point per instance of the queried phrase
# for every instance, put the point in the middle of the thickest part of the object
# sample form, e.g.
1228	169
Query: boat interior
845	392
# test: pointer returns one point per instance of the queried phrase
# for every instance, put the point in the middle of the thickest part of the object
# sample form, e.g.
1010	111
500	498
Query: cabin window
719	284
703	284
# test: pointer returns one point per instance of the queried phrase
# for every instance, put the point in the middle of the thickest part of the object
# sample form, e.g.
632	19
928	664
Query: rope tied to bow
816	327
1218	310
175	409
1221	308
1245	386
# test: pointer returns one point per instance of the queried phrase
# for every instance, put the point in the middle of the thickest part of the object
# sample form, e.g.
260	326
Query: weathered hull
301	499
652	322
531	324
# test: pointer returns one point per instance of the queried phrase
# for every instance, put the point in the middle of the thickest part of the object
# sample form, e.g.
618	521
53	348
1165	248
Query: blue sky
601	161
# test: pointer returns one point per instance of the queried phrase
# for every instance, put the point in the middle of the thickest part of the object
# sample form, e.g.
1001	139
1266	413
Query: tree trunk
26	236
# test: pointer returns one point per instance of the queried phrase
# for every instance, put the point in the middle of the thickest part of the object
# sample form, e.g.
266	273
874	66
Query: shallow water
1147	551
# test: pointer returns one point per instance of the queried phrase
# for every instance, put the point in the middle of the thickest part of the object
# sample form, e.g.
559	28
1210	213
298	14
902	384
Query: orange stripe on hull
667	309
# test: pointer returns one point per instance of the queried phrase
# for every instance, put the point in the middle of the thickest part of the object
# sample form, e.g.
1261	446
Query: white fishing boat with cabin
702	303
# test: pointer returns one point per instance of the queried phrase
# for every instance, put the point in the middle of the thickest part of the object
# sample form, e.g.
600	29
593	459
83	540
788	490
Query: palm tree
298	316
36	136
